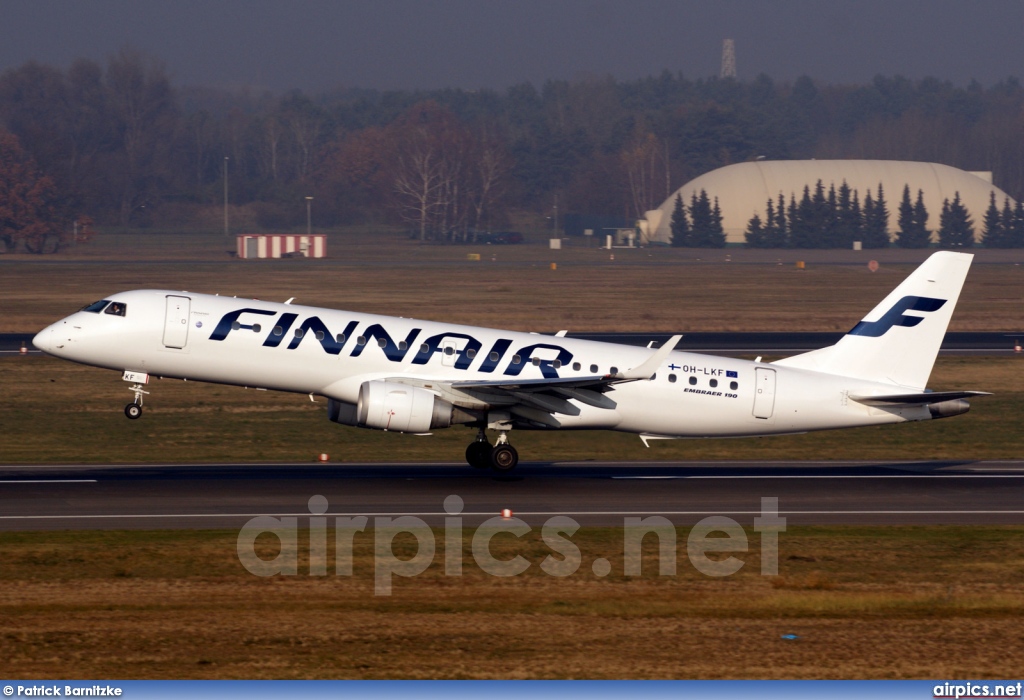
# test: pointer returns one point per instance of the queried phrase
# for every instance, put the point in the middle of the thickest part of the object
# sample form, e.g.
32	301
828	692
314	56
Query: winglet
647	369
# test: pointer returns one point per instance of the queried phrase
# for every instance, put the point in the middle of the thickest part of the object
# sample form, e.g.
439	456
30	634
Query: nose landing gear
134	409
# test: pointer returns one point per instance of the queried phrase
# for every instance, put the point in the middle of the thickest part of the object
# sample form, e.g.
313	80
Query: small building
280	245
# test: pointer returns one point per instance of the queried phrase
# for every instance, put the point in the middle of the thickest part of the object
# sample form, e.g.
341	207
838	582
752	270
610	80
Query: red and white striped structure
276	245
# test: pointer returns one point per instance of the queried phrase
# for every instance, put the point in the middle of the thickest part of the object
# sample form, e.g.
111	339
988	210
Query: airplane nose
44	339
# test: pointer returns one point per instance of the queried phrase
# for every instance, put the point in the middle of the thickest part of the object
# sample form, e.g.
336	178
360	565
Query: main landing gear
134	409
501	457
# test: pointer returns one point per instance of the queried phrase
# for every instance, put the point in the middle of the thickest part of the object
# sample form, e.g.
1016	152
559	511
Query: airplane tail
898	341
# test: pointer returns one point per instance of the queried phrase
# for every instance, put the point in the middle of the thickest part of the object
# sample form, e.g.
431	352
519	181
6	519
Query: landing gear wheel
478	454
504	457
133	410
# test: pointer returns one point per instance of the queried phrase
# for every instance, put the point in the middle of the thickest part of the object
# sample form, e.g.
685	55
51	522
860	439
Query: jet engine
398	407
945	409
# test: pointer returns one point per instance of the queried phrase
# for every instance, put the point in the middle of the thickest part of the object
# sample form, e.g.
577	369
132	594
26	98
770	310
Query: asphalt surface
158	496
719	343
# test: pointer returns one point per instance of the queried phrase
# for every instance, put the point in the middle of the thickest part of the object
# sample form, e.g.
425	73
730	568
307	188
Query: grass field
886	602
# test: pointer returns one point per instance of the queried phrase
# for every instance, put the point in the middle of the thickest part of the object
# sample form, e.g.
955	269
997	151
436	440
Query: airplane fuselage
333	353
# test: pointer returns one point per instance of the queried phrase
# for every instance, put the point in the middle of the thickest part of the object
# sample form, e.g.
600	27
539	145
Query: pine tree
755	233
793	222
1008	219
781	235
905	234
716	234
769	228
876	221
701	220
801	222
856	219
992	233
1016	238
831	237
867	218
845	229
956	230
818	223
922	235
680	225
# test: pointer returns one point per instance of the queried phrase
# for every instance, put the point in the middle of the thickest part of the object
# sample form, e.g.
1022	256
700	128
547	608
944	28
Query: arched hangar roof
744	188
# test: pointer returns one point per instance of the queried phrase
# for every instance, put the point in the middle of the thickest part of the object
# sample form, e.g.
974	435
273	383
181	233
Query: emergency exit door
176	321
764	396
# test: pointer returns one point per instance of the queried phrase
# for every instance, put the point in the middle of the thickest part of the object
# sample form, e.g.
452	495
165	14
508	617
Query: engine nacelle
945	409
393	406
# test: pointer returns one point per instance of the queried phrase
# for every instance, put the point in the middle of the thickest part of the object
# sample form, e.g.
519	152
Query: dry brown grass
899	603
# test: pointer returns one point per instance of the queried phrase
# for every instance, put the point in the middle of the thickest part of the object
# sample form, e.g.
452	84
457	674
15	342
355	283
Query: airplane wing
540	400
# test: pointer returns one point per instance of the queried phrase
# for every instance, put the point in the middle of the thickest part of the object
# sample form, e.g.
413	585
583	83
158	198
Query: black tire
478	454
504	458
133	410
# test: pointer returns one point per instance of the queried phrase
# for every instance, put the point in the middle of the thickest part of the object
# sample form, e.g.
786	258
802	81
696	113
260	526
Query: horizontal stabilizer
921	399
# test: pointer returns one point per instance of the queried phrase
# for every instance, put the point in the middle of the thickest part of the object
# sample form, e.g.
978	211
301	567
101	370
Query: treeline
838	219
120	143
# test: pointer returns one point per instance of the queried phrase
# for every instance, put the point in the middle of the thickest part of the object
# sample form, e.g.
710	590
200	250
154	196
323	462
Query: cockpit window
96	306
116	308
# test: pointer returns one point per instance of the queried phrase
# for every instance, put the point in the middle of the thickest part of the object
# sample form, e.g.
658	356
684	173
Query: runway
159	496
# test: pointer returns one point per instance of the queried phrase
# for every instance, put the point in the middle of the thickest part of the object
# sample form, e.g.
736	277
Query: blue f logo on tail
895	317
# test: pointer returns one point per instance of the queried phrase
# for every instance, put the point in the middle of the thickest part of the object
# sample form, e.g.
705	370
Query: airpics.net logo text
714	535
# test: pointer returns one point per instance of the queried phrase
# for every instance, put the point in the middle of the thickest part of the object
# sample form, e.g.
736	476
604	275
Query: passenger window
593	369
536	361
556	364
734	386
471	353
424	348
576	366
449	350
613	370
340	337
361	340
693	381
278	330
672	378
298	332
96	306
319	335
493	357
382	343
236	325
256	328
516	359
402	345
713	383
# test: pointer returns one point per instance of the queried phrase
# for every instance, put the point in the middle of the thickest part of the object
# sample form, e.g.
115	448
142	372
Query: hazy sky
318	44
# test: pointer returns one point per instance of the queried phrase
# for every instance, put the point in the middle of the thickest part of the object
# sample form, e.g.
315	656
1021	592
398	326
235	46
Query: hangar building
743	190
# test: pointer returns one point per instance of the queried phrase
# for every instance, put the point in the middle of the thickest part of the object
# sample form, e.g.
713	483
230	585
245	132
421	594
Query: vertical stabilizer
898	341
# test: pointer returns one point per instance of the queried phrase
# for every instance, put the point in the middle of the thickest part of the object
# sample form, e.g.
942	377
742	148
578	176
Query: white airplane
414	376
